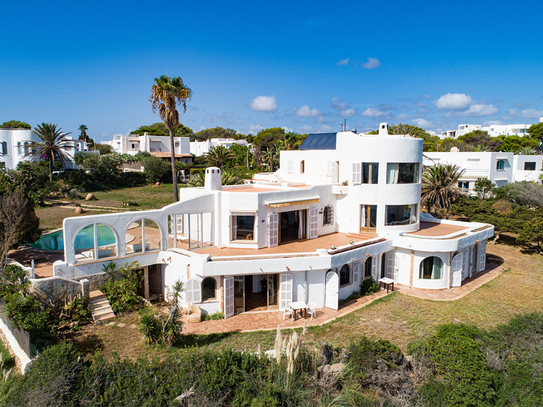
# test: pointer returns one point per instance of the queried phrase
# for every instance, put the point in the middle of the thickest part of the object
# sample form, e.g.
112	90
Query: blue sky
303	65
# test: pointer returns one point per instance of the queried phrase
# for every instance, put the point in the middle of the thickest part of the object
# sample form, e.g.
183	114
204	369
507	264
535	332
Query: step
102	318
102	312
95	294
96	307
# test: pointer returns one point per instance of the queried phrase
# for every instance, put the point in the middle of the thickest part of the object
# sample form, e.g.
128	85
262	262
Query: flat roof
252	189
432	229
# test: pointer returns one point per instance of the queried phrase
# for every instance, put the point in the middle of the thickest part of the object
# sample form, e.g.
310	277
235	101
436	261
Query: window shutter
273	230
482	255
285	291
193	293
313	223
356	273
357	173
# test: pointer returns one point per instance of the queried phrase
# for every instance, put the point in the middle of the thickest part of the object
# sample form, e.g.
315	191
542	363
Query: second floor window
403	173
500	165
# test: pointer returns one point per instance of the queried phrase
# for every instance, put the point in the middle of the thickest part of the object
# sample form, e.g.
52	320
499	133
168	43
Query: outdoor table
298	305
387	282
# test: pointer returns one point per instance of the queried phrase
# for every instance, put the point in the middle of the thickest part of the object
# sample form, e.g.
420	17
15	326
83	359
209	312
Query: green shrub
213	317
122	294
368	287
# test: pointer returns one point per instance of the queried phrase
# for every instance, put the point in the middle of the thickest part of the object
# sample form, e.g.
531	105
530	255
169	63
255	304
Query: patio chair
195	313
312	309
288	311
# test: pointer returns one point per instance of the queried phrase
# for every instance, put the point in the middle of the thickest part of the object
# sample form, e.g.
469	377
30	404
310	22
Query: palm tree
440	185
218	156
83	129
166	94
54	146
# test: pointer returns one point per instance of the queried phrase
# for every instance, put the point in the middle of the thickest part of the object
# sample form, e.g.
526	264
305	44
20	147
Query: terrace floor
431	229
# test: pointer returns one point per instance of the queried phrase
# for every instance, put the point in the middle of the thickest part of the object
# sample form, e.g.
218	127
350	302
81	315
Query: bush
213	317
368	286
122	293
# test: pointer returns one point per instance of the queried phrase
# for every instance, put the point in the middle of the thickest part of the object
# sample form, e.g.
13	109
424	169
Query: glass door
368	218
273	291
239	294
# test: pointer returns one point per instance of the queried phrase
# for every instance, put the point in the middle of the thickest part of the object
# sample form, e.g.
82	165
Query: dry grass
397	317
147	197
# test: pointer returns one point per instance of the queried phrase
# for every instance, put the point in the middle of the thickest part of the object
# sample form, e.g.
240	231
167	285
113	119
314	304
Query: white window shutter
193	293
456	270
356	273
313	223
396	267
374	268
482	255
285	291
390	265
357	173
228	297
273	230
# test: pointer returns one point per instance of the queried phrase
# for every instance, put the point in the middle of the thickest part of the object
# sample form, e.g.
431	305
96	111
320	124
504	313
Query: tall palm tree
440	185
166	94
54	146
83	129
218	156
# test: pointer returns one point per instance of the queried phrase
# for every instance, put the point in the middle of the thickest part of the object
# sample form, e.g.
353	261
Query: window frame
529	162
500	163
414	209
328	215
242	213
209	299
421	271
401	176
369	172
349	281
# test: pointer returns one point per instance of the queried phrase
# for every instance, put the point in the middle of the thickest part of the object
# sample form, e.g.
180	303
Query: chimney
213	180
383	129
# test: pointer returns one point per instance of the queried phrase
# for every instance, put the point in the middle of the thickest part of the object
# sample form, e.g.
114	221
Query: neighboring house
16	143
500	168
159	146
343	208
199	148
493	130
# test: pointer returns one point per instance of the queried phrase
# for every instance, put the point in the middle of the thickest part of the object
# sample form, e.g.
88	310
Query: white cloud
320	119
426	96
453	101
422	123
287	129
371	64
339	104
254	128
491	122
531	113
402	116
326	128
305	111
343	62
305	129
373	112
348	112
478	110
264	103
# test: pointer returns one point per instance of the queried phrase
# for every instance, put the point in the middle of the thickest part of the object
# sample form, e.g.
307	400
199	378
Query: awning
290	202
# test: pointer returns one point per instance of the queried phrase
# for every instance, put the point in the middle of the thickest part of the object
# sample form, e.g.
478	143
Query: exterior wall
354	148
132	144
199	148
315	166
419	256
519	174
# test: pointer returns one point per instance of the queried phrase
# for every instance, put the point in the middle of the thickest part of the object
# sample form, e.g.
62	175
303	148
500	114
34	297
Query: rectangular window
529	166
243	226
401	215
464	185
403	173
370	173
500	165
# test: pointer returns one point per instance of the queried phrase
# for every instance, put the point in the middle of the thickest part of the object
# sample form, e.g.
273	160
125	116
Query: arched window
209	289
26	150
431	268
302	167
143	235
95	241
344	275
19	148
4	148
328	215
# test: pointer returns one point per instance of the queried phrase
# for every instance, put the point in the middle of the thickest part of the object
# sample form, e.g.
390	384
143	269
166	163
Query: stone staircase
100	308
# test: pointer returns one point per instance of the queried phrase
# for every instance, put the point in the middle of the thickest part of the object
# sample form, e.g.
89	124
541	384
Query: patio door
368	218
228	297
285	291
239	294
273	230
456	270
332	290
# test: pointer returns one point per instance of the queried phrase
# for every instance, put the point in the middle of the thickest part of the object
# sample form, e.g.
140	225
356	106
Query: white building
500	168
159	146
199	148
16	143
494	130
343	208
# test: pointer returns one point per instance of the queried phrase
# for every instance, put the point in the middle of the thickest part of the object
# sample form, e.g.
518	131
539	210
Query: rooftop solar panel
319	141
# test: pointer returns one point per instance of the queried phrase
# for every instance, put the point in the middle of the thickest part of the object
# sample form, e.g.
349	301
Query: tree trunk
174	170
51	167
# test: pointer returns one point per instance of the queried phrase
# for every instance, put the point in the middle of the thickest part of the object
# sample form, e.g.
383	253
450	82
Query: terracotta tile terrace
295	246
431	229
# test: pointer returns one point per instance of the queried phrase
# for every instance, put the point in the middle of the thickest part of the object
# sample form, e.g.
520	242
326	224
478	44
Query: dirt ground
397	317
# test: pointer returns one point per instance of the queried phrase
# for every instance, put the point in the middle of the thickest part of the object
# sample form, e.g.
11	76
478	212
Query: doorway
292	226
256	292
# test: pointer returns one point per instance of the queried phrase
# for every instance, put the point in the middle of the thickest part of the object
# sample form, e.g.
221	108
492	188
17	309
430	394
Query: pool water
84	239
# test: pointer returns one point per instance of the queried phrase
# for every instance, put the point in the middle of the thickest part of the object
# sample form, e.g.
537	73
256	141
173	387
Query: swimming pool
84	239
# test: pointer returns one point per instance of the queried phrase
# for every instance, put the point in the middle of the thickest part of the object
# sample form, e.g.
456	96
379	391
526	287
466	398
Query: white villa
343	208
500	168
16	143
493	130
159	146
199	148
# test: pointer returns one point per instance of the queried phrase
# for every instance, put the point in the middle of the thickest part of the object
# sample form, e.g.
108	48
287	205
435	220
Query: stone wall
53	290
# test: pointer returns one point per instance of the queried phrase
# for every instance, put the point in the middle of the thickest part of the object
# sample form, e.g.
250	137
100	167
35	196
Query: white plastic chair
287	311
312	309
